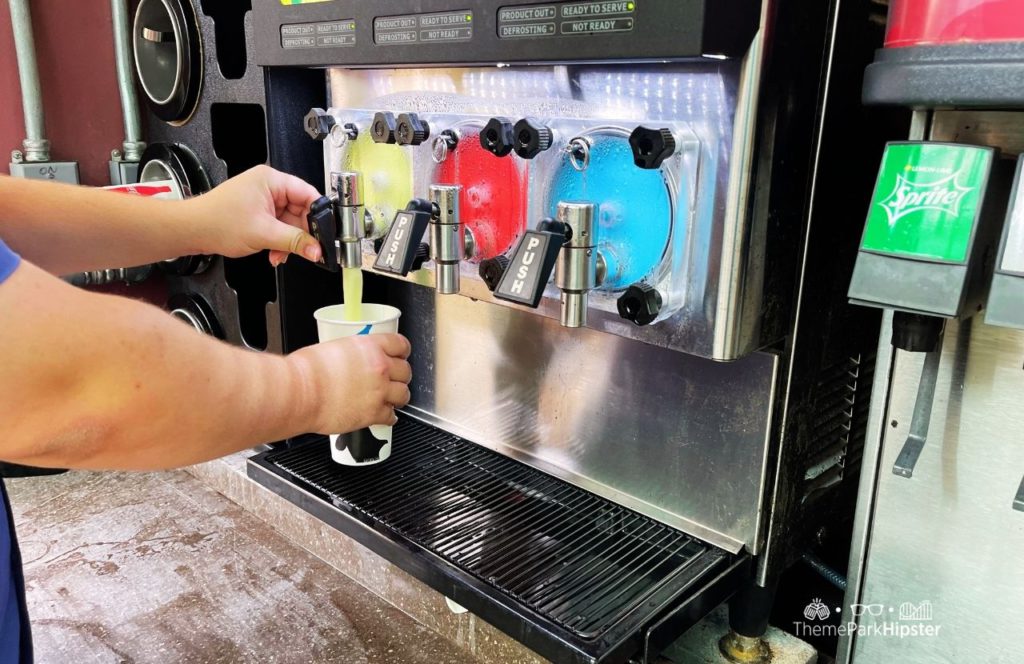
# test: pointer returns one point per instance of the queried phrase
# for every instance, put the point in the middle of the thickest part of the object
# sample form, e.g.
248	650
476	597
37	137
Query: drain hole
229	30
240	139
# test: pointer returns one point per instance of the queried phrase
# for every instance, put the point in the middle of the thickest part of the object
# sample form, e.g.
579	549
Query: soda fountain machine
621	249
941	492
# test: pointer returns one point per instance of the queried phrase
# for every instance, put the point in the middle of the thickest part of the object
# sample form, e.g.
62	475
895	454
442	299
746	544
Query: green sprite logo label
910	196
927	200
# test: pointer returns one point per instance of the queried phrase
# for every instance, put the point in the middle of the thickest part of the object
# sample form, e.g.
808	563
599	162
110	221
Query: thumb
283	237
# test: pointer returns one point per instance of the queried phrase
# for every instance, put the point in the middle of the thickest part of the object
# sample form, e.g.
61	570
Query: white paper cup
371	445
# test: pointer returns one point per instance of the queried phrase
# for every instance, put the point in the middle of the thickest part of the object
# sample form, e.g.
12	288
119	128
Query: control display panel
453	26
395	33
576	18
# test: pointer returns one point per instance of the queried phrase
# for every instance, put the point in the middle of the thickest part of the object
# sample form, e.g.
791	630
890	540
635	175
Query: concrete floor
157	567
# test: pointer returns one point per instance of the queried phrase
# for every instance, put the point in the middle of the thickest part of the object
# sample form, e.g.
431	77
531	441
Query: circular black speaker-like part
168	57
174	161
193	309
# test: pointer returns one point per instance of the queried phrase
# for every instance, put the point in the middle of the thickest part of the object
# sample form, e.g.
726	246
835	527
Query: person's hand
259	209
355	381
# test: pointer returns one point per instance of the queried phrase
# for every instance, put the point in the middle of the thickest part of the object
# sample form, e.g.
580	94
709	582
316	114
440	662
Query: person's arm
97	381
64	229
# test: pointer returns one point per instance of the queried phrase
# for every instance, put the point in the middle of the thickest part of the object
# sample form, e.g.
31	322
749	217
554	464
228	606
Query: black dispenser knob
916	333
402	248
420	256
559	228
318	124
641	303
531	138
496	137
651	147
323	225
530	266
410	130
492	270
382	129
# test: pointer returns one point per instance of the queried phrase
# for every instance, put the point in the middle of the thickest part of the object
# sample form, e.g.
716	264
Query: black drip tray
572	575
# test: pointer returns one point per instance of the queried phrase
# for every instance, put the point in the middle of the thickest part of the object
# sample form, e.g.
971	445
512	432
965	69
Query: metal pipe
826	572
133	144
36	147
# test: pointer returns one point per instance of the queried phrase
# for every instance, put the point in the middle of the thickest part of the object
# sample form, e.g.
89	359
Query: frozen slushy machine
601	223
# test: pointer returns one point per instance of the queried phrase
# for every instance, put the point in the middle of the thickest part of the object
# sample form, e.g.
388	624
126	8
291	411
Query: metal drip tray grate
570	563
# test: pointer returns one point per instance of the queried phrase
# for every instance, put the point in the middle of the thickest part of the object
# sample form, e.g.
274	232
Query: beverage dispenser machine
598	220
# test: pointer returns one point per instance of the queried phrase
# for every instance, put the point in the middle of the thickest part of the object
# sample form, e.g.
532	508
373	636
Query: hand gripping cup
371	445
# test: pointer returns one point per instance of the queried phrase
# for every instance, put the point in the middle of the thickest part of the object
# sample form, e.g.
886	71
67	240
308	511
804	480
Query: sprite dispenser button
1006	297
930	228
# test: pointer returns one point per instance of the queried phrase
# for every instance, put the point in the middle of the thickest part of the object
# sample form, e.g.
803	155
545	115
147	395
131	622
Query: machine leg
749	611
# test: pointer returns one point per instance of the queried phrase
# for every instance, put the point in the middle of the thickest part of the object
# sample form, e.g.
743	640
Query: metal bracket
914	445
1018	500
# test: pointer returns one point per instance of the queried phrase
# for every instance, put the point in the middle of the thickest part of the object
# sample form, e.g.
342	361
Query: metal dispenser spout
450	241
351	218
579	269
339	223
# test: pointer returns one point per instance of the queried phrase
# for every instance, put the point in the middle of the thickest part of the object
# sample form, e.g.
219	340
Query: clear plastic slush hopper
488	179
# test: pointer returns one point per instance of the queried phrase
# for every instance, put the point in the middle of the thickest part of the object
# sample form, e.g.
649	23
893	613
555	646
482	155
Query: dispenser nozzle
577	271
351	218
448	237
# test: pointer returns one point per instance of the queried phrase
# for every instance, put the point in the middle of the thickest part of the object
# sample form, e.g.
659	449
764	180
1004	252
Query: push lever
324	228
917	333
918	437
523	276
403	244
339	223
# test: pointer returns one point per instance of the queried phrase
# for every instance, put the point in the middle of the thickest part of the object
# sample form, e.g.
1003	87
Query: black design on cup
362	445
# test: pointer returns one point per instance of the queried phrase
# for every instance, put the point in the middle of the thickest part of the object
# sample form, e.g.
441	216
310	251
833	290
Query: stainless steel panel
950	535
679	438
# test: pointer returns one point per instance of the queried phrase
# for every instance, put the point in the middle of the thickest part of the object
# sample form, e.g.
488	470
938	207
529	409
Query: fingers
385	416
288	239
278	257
400	371
394	345
290	192
398	394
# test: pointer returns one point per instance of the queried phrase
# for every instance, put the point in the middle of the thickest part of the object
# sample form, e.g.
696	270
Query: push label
396	253
530	268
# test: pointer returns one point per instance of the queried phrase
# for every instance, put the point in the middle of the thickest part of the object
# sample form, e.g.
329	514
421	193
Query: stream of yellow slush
352	289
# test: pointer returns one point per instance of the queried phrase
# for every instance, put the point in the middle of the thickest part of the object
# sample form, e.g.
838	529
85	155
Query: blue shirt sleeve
8	261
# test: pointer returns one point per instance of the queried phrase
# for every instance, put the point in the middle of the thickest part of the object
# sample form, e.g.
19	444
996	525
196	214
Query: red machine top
938	22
